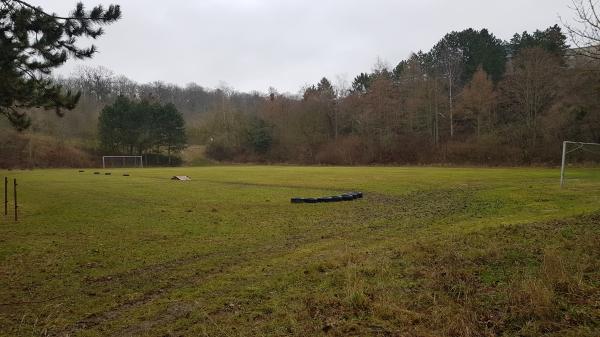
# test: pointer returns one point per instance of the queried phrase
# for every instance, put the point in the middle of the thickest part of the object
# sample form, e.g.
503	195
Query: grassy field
427	252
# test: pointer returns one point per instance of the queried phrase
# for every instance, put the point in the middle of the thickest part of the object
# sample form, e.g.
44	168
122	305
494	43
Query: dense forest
471	99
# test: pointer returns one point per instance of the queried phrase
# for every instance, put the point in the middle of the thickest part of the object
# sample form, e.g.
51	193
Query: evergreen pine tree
32	44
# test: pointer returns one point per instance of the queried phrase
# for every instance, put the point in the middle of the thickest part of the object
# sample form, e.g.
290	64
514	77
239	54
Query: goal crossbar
136	157
565	151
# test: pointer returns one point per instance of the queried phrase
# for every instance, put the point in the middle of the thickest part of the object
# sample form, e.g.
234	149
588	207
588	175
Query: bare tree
449	59
532	86
95	82
585	32
477	100
422	94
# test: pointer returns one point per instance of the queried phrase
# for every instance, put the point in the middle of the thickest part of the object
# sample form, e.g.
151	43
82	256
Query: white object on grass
181	178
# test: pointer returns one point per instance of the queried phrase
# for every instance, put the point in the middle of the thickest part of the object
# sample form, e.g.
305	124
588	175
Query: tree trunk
335	121
437	121
451	106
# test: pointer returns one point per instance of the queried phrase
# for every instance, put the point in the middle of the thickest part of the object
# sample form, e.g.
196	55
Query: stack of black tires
336	198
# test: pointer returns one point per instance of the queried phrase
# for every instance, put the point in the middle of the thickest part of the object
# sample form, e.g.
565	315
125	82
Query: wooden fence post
5	196
16	205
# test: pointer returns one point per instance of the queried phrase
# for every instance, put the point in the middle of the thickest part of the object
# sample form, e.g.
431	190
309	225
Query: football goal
571	147
122	161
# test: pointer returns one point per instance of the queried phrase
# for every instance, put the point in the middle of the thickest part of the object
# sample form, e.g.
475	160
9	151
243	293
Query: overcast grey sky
255	44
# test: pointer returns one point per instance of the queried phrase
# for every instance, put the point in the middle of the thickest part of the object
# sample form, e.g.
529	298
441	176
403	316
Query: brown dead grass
25	150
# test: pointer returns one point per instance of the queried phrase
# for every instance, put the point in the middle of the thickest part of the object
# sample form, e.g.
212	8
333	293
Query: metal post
5	195
103	165
562	166
16	205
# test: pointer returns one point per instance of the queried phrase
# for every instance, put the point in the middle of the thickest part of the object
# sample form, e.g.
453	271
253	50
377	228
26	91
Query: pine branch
112	14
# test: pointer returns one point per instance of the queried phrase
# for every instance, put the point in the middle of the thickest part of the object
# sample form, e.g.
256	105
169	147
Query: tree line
472	98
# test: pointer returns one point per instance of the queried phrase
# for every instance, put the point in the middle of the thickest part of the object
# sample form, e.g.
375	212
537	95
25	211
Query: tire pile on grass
336	198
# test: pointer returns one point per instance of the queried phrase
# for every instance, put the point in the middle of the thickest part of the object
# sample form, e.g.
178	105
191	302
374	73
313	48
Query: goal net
122	161
577	152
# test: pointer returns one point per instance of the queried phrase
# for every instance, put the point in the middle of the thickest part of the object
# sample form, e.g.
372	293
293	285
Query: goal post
123	161
565	151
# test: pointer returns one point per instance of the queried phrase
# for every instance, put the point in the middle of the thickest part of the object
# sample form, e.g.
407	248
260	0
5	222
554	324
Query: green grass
427	252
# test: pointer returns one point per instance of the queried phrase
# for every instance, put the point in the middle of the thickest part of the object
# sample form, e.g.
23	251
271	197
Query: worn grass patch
427	252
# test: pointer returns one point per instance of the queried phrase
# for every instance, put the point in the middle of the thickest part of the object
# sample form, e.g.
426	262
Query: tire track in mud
417	205
97	319
412	205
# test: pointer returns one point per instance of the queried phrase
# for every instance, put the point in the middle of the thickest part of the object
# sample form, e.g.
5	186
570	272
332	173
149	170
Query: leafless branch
585	36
